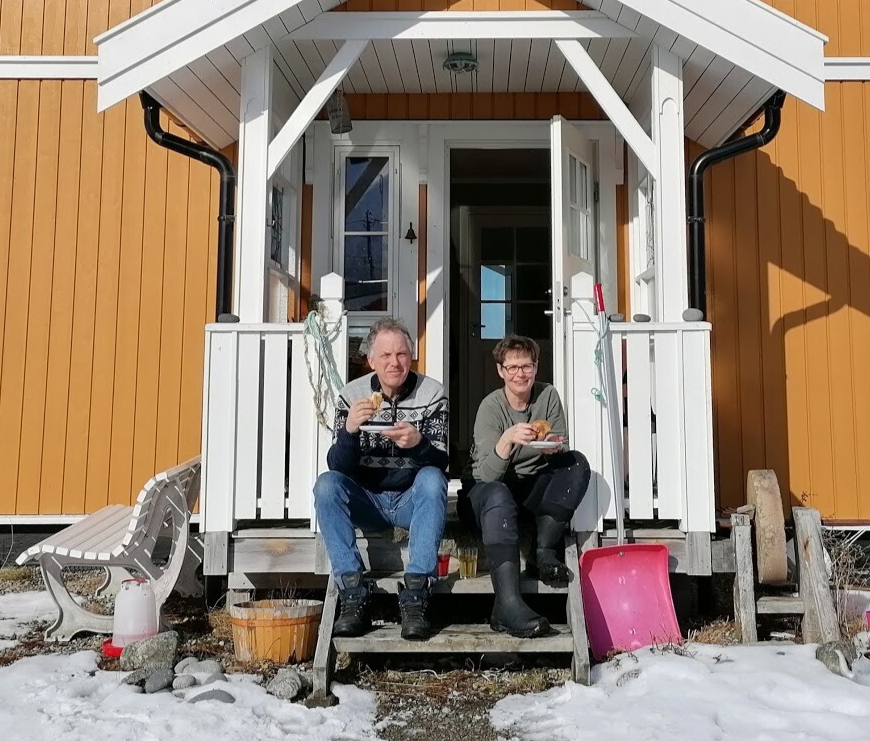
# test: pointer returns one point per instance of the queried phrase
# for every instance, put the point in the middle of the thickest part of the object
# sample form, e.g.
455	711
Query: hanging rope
597	392
328	382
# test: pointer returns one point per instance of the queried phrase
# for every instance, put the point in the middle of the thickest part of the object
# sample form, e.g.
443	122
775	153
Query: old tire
762	491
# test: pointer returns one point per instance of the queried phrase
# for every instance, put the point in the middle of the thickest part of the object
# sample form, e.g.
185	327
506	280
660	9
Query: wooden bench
122	539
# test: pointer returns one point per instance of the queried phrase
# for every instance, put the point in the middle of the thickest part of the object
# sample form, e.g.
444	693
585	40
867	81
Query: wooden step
780	606
455	639
481	584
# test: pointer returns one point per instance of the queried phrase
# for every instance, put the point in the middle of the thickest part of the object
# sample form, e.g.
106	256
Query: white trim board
48	68
552	24
844	69
30	520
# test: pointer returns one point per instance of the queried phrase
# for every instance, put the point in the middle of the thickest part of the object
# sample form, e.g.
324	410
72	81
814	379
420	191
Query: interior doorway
500	273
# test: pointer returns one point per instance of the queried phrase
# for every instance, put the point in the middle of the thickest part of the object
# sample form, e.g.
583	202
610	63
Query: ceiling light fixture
460	62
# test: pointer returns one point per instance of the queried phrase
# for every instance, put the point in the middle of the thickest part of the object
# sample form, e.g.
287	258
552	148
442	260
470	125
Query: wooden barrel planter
279	630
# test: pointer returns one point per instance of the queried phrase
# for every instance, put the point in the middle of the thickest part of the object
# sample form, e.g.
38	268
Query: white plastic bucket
135	613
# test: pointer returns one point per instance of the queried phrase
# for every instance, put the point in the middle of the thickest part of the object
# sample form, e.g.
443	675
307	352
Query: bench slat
112	525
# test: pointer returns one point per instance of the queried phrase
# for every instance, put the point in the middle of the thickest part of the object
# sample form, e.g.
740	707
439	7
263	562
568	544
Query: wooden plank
744	582
215	553
669	433
481	584
576	616
75	27
9	113
697	406
10	27
699	552
455	639
150	312
302	417
640	467
324	654
820	618
258	555
31	27
17	294
771	605
274	428
40	296
248	411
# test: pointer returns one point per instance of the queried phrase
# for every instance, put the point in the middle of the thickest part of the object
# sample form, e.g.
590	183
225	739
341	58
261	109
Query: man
388	477
519	458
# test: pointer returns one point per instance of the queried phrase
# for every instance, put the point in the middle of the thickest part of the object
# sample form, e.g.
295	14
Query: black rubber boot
414	603
550	531
510	613
353	619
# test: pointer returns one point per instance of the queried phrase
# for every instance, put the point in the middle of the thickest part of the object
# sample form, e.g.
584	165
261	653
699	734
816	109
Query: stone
160	679
216	677
837	656
288	684
625	678
861	641
137	677
181	665
322	700
152	653
213	694
210	666
183	681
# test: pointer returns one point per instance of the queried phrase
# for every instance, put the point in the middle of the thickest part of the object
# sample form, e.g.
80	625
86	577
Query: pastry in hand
377	398
542	428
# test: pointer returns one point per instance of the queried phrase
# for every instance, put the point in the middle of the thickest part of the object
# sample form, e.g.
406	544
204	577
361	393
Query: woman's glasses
512	370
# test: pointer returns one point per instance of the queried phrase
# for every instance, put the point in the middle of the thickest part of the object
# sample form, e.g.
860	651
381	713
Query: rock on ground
216	677
213	694
137	677
160	679
288	684
209	666
152	653
837	656
183	681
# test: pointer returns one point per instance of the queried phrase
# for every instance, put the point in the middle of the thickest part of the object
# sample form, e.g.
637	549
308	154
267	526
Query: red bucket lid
111	650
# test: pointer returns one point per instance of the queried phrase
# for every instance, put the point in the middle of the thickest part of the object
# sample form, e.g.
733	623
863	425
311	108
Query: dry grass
14	574
848	571
720	632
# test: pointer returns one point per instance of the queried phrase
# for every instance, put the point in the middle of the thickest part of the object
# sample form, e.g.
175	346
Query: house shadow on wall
791	341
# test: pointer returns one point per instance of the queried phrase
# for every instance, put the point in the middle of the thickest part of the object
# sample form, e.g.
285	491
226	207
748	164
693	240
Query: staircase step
455	639
780	606
482	584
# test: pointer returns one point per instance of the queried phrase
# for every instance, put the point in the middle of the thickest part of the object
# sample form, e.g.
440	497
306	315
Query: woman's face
518	372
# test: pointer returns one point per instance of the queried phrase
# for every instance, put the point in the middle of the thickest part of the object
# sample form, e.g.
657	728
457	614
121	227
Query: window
579	207
276	247
366	227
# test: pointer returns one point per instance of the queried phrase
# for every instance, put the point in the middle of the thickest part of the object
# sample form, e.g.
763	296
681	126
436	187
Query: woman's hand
520	434
554	449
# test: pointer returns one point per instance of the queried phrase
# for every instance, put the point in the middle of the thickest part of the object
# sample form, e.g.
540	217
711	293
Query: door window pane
367	194
496	321
531	321
495	283
533	244
496	244
533	283
572	178
366	272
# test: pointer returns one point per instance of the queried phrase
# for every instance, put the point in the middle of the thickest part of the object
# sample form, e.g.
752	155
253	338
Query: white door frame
444	136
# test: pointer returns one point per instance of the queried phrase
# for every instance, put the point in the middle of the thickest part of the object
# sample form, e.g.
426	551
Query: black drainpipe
226	212
695	200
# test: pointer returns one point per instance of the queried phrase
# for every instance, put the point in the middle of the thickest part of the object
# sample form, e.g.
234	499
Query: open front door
572	157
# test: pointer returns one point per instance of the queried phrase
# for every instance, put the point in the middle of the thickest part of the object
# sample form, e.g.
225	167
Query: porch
262	72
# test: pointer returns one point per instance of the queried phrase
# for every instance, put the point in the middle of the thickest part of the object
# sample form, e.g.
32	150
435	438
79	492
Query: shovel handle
599	298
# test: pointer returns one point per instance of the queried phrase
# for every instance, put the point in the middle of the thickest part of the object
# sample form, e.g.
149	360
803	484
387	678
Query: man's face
518	372
390	359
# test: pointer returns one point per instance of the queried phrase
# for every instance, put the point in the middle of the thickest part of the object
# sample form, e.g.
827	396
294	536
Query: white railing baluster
303	448
669	424
274	426
640	480
247	481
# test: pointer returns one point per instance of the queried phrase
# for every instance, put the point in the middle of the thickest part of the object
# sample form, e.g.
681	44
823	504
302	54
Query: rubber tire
762	491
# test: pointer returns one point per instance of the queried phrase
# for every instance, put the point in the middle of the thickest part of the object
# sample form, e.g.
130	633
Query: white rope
328	378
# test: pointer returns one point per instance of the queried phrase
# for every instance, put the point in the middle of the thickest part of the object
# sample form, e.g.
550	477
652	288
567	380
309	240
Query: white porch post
670	187
255	132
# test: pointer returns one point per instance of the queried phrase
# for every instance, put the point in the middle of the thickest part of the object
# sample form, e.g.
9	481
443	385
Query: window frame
391	152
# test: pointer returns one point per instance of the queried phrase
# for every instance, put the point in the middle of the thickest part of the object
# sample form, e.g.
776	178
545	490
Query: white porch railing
663	373
262	444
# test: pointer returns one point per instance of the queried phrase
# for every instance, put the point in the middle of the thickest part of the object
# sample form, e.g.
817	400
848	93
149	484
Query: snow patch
18	610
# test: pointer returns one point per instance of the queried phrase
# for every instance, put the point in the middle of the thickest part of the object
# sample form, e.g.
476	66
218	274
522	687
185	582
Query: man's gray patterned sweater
375	461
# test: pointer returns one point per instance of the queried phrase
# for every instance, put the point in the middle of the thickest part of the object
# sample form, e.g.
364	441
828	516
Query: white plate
545	444
377	428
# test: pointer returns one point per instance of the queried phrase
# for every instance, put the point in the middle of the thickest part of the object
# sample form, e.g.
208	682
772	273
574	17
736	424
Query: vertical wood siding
107	265
788	280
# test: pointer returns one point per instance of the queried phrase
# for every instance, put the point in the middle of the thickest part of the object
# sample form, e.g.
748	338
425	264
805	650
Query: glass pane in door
367	194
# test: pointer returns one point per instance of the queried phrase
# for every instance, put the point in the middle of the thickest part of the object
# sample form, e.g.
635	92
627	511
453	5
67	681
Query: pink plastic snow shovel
626	588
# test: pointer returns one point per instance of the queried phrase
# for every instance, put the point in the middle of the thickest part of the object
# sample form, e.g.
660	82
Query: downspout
695	200
226	208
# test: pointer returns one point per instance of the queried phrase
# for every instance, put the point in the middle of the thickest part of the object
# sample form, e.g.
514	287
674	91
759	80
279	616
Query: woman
511	465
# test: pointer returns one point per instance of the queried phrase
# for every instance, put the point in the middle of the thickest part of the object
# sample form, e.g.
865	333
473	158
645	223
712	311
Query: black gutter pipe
695	199
226	209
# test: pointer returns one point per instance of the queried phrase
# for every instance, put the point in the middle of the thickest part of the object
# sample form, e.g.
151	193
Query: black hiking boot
510	613
414	603
353	619
550	569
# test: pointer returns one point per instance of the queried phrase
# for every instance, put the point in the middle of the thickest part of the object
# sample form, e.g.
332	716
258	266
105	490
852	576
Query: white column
255	132
670	187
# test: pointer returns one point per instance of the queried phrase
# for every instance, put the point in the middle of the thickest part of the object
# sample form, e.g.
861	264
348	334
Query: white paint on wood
698	446
847	68
310	106
247	428
48	68
274	427
639	448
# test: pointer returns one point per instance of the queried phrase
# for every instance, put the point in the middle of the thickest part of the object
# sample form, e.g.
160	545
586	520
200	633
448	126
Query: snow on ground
765	693
19	609
43	698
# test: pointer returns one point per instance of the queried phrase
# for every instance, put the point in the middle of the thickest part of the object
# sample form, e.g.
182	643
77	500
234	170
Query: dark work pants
493	507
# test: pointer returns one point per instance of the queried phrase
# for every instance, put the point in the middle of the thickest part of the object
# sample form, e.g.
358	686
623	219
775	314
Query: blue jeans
342	504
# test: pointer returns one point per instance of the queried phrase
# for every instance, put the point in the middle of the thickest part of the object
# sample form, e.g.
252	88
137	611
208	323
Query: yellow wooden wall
789	292
107	265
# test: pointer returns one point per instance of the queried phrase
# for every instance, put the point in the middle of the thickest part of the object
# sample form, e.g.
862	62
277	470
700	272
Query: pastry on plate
542	428
377	398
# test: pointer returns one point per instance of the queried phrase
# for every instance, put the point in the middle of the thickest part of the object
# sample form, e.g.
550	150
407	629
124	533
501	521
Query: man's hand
405	435
360	412
555	439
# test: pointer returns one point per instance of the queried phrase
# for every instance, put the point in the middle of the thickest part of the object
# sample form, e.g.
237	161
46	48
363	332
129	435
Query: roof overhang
188	53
